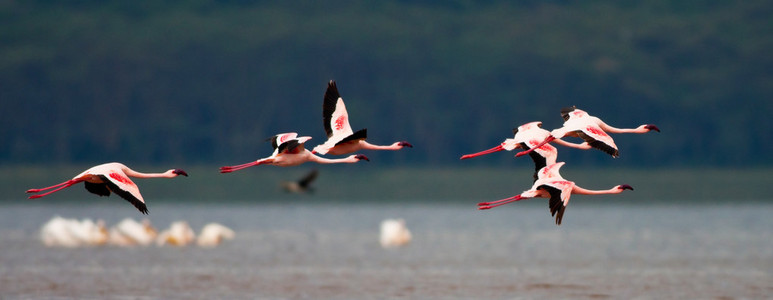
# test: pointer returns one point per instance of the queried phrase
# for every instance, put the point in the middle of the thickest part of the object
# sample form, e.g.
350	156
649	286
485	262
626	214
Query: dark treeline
207	81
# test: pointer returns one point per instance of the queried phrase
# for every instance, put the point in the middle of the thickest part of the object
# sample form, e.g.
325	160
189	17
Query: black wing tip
288	146
358	135
566	110
308	178
126	195
605	148
331	93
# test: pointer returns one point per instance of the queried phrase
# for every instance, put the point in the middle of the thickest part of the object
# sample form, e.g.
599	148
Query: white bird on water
394	233
178	234
71	233
213	234
129	232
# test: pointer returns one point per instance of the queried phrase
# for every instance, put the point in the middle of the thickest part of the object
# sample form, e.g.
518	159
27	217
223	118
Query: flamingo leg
47	188
58	187
492	204
548	139
229	169
484	152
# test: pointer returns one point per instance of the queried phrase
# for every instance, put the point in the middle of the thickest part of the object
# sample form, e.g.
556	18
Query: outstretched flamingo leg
484	152
58	187
492	204
548	139
229	169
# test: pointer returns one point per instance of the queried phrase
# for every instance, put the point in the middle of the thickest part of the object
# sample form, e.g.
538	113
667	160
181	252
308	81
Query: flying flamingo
529	135
578	123
302	185
111	177
341	138
551	185
289	151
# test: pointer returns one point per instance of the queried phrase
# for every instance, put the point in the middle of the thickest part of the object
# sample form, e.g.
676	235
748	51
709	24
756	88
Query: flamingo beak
652	127
405	144
180	172
361	157
625	187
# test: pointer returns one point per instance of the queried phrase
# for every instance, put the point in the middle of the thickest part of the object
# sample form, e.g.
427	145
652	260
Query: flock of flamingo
548	183
290	150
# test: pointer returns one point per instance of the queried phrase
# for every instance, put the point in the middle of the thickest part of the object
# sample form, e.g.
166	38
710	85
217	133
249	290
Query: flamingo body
530	136
289	150
587	127
578	123
558	190
341	138
111	177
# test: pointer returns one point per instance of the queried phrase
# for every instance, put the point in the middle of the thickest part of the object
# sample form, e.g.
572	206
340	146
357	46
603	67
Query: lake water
314	249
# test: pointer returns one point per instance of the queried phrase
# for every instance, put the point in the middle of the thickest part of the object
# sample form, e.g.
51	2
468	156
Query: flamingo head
625	187
404	144
361	157
651	127
179	172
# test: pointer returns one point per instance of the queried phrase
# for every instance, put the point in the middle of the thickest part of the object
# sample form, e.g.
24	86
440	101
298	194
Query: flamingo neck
581	191
167	174
322	160
369	146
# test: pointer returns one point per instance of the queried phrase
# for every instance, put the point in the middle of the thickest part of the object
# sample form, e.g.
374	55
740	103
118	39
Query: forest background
204	82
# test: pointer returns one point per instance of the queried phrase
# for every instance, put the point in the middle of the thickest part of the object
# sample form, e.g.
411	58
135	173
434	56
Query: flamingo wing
559	197
288	147
100	189
306	180
359	135
122	186
293	145
539	160
334	115
281	138
597	138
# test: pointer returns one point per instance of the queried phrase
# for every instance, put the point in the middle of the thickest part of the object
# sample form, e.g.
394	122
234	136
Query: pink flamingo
289	151
578	123
529	135
111	177
341	139
551	185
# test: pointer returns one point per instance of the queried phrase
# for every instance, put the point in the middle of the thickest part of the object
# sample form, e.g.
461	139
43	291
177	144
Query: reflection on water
332	251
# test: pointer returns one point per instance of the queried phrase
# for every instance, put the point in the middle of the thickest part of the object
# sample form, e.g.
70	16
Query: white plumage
394	233
213	234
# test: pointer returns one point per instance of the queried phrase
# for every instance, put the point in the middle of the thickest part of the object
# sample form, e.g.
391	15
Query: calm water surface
299	250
